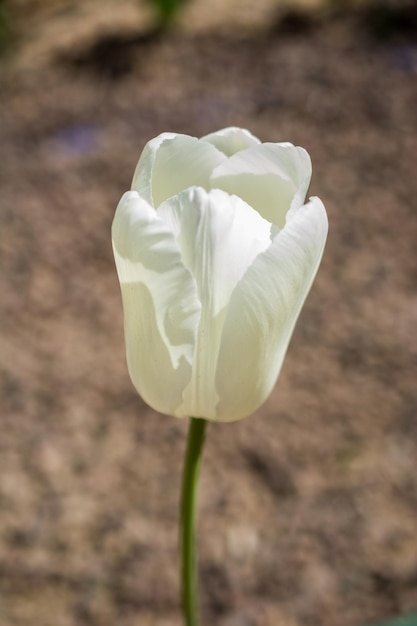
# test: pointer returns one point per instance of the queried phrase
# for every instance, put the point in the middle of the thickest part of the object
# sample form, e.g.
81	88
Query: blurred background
308	510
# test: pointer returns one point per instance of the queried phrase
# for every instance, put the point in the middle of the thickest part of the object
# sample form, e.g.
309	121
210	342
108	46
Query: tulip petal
271	177
142	178
263	310
170	163
231	140
160	303
219	236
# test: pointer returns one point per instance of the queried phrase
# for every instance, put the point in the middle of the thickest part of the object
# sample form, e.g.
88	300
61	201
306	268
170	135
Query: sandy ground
308	510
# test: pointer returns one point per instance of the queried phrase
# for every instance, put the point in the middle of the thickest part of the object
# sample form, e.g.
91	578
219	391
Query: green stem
187	531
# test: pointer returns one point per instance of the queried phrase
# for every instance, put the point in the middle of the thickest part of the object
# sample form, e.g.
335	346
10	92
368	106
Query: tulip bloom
216	251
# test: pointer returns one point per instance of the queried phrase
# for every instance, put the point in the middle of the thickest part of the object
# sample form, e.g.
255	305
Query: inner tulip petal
231	140
171	163
272	178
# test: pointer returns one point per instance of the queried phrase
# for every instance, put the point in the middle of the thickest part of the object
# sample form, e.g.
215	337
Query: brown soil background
308	510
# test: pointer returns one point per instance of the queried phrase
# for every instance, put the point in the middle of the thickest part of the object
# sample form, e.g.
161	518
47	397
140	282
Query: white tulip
215	252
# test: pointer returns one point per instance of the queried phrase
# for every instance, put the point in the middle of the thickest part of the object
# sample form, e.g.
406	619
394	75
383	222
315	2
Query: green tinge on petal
272	178
263	311
160	303
170	163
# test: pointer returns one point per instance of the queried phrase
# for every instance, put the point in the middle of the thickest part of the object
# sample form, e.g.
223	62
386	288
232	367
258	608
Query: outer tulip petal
171	163
219	236
231	140
271	177
160	303
263	311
